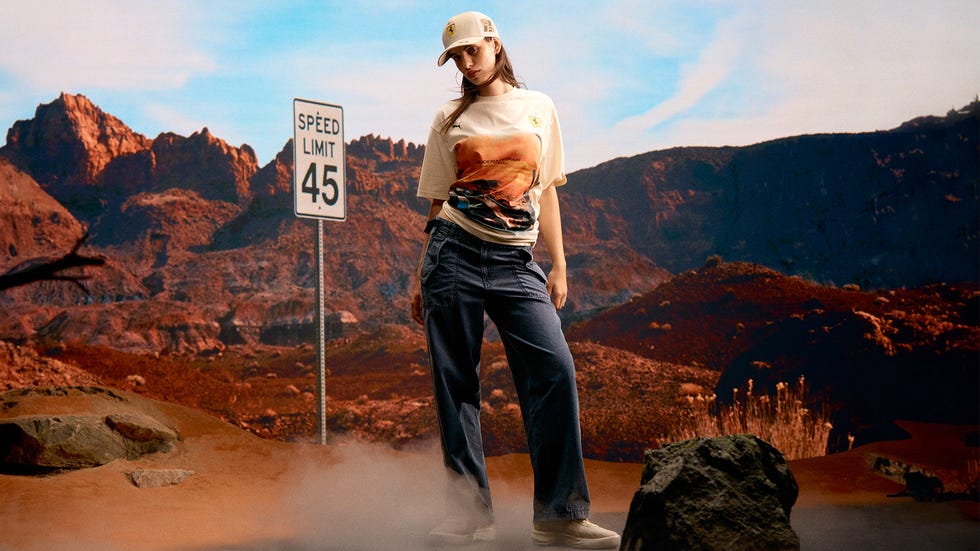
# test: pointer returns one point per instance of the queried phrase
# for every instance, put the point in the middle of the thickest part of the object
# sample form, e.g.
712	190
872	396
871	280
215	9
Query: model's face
476	61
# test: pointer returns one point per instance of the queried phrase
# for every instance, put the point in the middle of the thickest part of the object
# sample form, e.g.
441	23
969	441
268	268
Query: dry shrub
783	420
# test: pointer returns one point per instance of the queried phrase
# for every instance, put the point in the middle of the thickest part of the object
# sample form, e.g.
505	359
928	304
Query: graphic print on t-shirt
494	175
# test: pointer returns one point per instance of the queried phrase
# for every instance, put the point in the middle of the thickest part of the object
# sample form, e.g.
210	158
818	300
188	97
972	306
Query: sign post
319	191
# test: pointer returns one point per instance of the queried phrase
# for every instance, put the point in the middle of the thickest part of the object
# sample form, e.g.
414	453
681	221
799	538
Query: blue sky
627	76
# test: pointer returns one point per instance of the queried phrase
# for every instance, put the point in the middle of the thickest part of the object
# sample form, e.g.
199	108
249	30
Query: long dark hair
502	69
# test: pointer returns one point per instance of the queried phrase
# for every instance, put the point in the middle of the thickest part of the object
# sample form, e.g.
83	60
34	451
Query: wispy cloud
776	69
48	45
697	79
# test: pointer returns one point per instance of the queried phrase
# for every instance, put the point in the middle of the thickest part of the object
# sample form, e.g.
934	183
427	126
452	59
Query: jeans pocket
431	258
439	266
531	278
528	257
536	270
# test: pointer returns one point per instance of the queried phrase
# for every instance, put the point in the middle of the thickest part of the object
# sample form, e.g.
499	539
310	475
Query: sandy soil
255	494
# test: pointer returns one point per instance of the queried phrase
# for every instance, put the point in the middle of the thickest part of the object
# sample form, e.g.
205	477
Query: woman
492	162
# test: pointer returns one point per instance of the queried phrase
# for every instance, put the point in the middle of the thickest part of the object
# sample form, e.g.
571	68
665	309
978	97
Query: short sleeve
438	166
553	156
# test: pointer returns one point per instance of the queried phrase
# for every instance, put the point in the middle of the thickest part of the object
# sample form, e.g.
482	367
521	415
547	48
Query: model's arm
549	225
434	210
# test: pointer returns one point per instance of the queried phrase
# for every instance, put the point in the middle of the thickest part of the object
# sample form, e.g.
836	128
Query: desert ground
251	493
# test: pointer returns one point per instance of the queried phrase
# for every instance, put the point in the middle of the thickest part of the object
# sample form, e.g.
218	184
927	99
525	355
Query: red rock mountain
204	252
881	209
69	142
91	161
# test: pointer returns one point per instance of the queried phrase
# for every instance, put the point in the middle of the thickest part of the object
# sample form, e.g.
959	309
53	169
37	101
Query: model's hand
417	307
558	287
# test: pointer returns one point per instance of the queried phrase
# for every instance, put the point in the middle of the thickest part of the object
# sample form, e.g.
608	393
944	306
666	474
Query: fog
376	498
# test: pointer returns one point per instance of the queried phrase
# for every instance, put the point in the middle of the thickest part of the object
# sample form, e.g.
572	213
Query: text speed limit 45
318	150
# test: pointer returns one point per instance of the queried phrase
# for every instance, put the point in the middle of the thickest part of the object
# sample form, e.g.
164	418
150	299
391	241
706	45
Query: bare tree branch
51	270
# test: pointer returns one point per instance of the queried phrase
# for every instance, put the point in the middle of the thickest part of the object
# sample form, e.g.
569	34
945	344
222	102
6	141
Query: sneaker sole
549	538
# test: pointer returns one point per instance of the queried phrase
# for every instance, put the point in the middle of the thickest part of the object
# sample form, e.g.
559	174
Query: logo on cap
451	28
487	26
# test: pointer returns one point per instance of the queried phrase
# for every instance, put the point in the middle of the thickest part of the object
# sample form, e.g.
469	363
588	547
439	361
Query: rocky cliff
882	209
68	144
91	161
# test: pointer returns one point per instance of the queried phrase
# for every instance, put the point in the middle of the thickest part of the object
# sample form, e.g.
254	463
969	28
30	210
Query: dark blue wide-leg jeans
464	277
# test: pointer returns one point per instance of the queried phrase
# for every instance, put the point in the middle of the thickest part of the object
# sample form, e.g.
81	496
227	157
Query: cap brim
461	42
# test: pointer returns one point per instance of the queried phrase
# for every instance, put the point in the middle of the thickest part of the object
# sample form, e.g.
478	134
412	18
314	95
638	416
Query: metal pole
321	373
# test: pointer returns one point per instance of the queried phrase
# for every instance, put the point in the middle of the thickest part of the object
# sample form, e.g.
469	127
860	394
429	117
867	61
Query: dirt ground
257	494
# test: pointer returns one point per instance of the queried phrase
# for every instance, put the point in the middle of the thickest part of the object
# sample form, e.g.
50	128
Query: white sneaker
460	530
579	534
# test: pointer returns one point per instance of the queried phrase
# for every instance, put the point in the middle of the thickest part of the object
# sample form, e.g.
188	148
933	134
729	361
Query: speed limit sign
318	155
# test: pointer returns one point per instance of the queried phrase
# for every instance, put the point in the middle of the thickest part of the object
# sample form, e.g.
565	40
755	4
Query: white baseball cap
465	29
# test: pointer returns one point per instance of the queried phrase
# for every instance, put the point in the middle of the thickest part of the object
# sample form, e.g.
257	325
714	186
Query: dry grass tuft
783	420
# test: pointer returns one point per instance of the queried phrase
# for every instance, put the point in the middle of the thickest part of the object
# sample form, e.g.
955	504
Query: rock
51	443
920	483
157	478
140	429
34	443
729	493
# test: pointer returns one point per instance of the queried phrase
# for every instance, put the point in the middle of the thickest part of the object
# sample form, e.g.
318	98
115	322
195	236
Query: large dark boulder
728	493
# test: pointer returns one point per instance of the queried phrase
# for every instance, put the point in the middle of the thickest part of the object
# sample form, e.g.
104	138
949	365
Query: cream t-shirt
494	163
